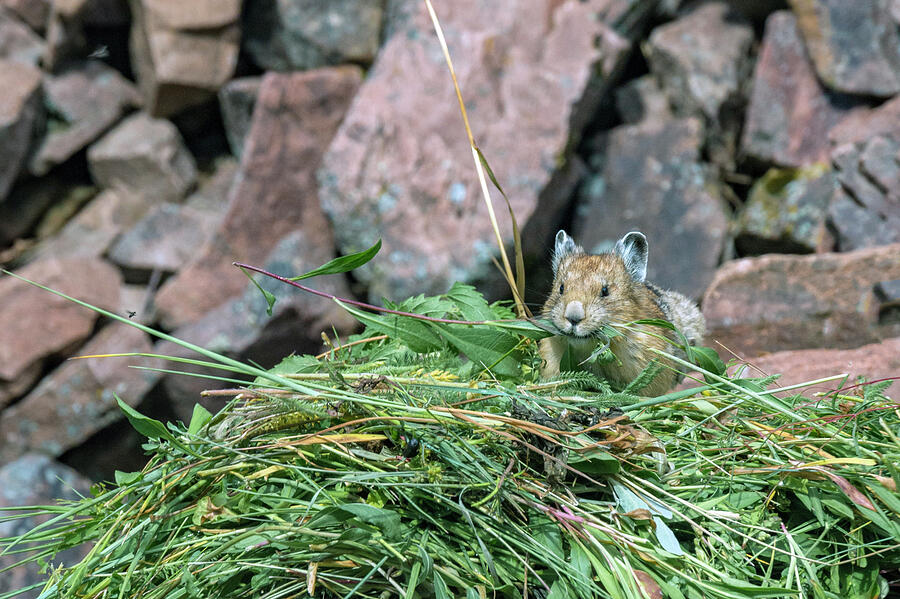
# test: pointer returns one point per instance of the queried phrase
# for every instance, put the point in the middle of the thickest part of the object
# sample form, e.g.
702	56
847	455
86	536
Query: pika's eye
562	288
604	291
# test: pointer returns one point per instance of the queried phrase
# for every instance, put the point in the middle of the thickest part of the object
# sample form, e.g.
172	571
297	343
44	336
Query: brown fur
583	277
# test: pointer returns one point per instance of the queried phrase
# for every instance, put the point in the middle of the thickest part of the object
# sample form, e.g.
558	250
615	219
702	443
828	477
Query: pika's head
591	290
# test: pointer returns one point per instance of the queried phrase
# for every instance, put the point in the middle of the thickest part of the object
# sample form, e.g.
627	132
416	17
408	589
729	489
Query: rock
146	156
86	100
165	239
35	479
889	294
241	328
78	398
411	181
874	362
701	59
65	32
20	111
35	324
854	46
781	302
212	194
294	120
27	201
851	173
790	114
642	99
880	162
183	53
90	232
862	125
236	101
288	35
199	14
17	41
786	212
33	12
63	210
12	390
857	227
109	13
652	181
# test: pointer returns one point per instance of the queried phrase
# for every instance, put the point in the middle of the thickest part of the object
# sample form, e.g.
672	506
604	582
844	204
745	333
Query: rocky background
145	145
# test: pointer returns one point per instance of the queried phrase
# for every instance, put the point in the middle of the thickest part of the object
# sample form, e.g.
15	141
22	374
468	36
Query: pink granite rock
400	168
874	361
240	327
855	46
17	41
145	156
87	99
863	125
236	101
167	238
781	302
20	109
650	178
32	12
286	35
702	58
96	226
183	53
295	117
790	114
78	398
35	324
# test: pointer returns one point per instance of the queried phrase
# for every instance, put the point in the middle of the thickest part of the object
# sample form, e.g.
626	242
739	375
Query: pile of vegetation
425	457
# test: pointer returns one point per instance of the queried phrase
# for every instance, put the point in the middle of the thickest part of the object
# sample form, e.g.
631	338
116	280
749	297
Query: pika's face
589	291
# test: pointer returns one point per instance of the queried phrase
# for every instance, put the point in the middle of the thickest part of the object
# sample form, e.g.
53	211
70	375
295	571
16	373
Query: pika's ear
564	246
634	251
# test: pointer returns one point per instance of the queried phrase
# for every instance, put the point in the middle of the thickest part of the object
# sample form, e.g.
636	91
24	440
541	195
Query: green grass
450	470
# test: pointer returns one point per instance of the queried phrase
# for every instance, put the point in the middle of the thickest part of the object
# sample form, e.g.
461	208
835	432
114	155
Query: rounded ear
634	250
564	246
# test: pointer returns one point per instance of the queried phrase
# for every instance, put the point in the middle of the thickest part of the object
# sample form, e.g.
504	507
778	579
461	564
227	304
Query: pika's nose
574	312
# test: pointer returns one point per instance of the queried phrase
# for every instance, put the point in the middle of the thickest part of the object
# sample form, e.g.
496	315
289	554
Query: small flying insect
100	52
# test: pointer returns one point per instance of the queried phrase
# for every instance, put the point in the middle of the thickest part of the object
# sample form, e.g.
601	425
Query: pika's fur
592	290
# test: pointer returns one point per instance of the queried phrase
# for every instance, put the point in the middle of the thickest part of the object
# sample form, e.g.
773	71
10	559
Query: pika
592	290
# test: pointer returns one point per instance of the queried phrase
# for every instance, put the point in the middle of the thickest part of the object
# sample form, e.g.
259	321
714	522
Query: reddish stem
354	302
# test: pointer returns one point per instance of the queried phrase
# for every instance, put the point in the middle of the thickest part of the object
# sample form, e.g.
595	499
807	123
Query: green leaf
525	328
470	302
559	590
270	298
386	520
594	461
413	580
888	497
440	587
150	428
342	263
198	419
126	478
656	322
489	348
415	334
427	560
666	537
706	358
